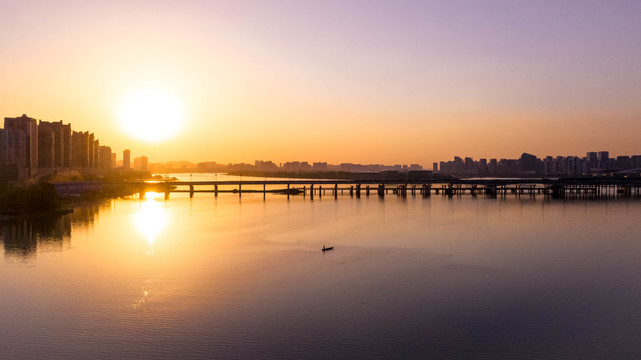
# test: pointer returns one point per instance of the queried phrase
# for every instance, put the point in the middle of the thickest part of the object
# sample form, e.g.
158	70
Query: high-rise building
12	147
126	159
96	154
12	154
46	149
80	149
528	163
592	160
91	149
105	158
113	160
30	128
604	159
61	144
67	146
141	163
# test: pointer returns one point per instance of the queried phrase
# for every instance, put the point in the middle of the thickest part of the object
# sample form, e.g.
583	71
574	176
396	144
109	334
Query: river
244	277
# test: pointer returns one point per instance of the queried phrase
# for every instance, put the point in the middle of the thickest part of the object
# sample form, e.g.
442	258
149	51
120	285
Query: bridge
594	187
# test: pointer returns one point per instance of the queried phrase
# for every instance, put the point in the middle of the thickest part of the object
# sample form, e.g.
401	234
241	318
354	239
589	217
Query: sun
151	115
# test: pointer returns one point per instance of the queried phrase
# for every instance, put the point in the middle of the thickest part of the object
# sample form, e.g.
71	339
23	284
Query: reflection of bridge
557	188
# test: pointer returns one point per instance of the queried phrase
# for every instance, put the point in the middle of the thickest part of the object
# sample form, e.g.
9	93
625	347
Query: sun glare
151	220
151	115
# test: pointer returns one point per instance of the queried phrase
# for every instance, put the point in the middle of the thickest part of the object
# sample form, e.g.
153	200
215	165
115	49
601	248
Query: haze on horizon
337	81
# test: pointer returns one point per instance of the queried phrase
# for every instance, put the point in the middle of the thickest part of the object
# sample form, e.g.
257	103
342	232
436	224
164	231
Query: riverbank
28	199
37	199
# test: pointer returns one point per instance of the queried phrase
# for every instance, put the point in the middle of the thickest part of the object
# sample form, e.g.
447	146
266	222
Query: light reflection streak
151	220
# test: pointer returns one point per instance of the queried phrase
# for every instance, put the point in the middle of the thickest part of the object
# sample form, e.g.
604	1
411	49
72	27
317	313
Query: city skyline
32	148
416	82
40	147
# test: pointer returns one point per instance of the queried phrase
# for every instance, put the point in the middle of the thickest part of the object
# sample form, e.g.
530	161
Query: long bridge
596	187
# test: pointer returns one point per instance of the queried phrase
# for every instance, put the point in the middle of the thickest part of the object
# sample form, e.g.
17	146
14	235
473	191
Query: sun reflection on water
151	220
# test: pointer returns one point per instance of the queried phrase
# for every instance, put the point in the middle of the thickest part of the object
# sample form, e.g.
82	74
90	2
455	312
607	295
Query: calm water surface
232	277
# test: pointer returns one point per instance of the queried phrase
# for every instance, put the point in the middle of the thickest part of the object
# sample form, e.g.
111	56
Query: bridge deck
471	182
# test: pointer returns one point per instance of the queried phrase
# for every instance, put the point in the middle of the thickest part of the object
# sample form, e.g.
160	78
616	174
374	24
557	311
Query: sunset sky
339	81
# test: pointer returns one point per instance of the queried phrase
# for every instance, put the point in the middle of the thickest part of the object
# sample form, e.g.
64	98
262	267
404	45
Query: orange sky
408	82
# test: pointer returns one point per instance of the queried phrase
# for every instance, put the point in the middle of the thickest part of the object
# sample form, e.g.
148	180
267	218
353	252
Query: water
233	277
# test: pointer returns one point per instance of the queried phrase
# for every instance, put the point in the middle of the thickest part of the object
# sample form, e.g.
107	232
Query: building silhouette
80	149
603	157
141	163
30	128
104	158
91	149
46	149
12	154
126	159
54	144
29	148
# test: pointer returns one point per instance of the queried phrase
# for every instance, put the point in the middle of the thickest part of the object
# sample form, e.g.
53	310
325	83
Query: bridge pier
381	190
367	191
311	191
427	190
558	191
335	191
358	190
191	191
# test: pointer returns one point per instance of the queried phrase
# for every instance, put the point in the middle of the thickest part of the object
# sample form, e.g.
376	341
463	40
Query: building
12	154
603	157
46	149
91	151
141	163
320	166
57	139
126	159
291	166
265	165
528	164
105	158
591	158
80	149
96	154
30	128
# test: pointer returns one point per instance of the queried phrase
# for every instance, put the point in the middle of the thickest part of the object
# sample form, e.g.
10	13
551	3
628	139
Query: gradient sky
339	81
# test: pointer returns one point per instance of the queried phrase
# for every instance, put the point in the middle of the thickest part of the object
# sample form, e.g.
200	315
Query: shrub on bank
31	198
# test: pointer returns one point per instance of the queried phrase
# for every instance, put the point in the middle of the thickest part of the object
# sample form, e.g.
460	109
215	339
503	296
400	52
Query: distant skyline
336	81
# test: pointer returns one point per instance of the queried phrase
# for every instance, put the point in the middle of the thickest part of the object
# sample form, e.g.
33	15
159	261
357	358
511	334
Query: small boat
327	248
